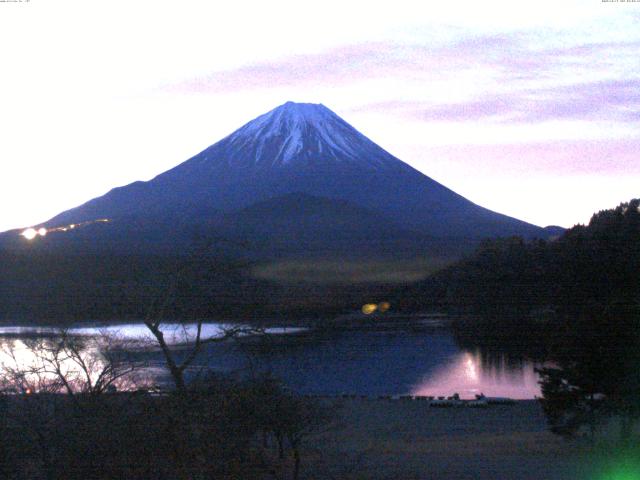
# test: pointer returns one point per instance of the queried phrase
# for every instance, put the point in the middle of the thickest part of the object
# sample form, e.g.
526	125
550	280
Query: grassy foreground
382	439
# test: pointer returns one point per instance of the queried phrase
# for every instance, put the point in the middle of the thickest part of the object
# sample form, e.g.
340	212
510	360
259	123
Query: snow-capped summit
299	134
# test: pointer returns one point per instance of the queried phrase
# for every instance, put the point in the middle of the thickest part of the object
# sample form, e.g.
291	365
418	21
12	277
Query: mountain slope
299	224
296	148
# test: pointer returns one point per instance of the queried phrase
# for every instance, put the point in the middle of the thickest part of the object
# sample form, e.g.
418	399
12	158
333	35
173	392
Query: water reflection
175	333
360	362
386	363
95	359
468	375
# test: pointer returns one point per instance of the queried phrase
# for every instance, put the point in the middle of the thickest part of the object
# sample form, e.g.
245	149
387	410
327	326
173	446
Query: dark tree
596	376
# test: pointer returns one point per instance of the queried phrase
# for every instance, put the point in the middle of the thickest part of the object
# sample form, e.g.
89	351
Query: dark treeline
584	272
52	288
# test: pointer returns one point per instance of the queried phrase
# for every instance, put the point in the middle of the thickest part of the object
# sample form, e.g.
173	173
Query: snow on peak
290	116
304	132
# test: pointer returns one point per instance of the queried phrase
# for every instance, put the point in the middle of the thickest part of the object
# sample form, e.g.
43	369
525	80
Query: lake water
354	362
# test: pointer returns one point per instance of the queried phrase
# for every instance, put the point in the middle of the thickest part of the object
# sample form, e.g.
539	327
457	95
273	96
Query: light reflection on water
390	363
353	362
174	332
38	359
467	375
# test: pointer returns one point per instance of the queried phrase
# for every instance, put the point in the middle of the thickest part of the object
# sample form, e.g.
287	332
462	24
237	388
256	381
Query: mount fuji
296	179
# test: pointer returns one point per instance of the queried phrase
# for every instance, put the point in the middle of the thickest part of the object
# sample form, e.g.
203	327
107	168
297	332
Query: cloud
607	100
560	158
613	100
514	78
353	63
336	66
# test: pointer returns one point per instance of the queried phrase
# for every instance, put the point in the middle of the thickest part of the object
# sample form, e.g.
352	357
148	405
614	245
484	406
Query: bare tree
305	419
190	340
181	341
22	369
290	418
89	365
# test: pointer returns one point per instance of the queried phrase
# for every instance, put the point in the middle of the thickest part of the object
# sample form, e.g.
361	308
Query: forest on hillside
572	304
588	269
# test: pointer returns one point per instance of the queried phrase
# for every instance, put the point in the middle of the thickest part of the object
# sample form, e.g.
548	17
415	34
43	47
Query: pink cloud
333	67
512	57
555	157
613	100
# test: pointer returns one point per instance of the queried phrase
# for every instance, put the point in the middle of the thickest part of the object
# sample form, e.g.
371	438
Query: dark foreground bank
382	439
260	431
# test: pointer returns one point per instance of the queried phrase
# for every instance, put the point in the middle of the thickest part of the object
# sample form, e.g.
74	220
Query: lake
354	362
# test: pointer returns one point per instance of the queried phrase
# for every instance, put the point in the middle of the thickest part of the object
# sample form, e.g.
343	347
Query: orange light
369	308
384	306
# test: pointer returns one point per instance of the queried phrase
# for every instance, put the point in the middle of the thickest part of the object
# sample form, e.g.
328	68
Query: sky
531	109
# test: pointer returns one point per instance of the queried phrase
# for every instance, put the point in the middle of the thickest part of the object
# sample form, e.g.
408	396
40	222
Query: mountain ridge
305	149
